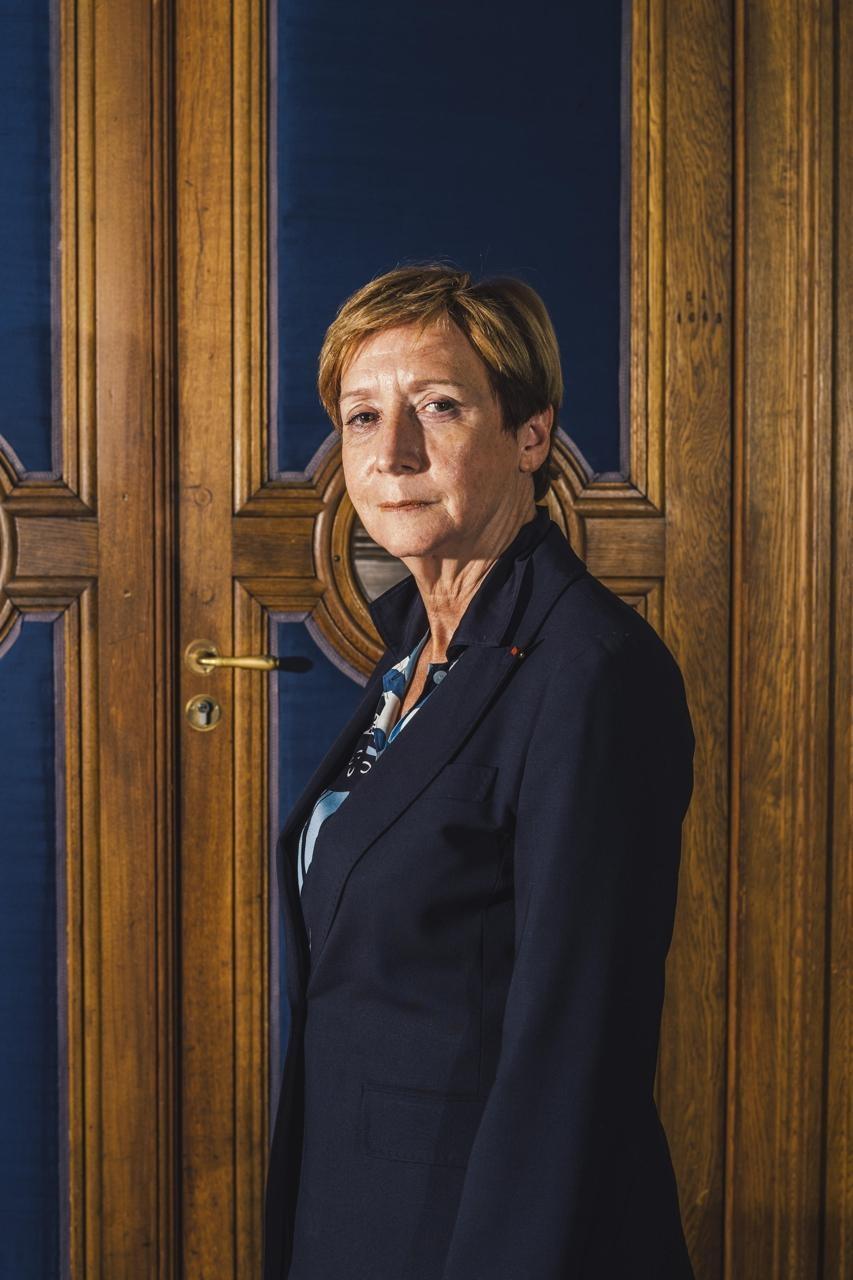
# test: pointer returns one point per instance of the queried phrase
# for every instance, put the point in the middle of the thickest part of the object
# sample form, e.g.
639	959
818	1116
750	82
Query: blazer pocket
419	1126
463	781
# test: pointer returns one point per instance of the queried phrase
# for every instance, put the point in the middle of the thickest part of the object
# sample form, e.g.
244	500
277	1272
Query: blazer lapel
402	772
440	728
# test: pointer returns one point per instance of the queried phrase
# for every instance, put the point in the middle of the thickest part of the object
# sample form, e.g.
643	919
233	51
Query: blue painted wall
25	230
29	1063
29	1154
485	133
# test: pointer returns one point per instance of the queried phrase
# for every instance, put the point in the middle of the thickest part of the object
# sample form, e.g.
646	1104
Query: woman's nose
400	439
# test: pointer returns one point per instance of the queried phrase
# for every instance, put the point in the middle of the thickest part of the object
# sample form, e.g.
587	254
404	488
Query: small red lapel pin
516	652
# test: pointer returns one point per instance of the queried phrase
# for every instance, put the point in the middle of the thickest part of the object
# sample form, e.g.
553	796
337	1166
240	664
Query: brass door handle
252	662
201	656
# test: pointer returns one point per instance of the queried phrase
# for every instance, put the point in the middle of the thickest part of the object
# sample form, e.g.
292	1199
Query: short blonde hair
503	318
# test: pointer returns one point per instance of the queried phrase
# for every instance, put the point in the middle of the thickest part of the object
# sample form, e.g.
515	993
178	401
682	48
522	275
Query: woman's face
421	424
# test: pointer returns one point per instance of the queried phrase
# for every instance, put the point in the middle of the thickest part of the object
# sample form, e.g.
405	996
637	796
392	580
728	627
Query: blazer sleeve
605	786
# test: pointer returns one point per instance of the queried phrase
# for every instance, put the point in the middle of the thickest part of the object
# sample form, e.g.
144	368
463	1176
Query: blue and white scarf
385	727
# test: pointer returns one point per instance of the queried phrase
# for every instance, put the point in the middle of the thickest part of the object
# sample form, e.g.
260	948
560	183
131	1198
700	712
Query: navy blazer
467	1091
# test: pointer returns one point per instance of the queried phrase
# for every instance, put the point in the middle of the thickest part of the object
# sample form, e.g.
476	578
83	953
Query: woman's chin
412	532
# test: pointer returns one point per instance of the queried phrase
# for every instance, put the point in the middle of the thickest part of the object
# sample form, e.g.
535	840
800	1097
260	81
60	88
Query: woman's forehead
440	352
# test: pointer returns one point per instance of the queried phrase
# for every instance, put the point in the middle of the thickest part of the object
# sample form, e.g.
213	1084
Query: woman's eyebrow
414	386
436	382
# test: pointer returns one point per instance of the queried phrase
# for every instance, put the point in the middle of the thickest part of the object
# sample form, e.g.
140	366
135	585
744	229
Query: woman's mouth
404	506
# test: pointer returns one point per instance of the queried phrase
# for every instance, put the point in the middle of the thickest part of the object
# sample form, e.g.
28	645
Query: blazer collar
400	617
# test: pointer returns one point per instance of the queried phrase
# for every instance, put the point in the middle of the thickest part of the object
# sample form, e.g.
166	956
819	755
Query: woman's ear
534	439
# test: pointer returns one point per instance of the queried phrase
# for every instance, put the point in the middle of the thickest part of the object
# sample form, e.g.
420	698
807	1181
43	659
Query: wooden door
259	548
166	523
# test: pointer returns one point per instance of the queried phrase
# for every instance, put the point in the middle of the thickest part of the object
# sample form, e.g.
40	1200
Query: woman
479	881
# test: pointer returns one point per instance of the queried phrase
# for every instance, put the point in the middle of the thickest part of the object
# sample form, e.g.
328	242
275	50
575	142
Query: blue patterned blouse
386	725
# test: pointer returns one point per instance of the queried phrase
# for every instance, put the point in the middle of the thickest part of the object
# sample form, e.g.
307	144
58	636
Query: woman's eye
442	406
357	419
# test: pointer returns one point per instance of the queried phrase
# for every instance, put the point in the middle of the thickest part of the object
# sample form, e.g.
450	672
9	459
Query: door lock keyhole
203	712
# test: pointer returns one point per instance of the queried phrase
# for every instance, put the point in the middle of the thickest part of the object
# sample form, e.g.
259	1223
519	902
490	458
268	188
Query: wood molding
76	304
253	890
836	1198
647	252
689	68
779	1056
250	190
95	546
220	133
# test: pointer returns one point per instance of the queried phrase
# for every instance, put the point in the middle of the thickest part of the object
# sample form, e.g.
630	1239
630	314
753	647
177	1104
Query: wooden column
788	1064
